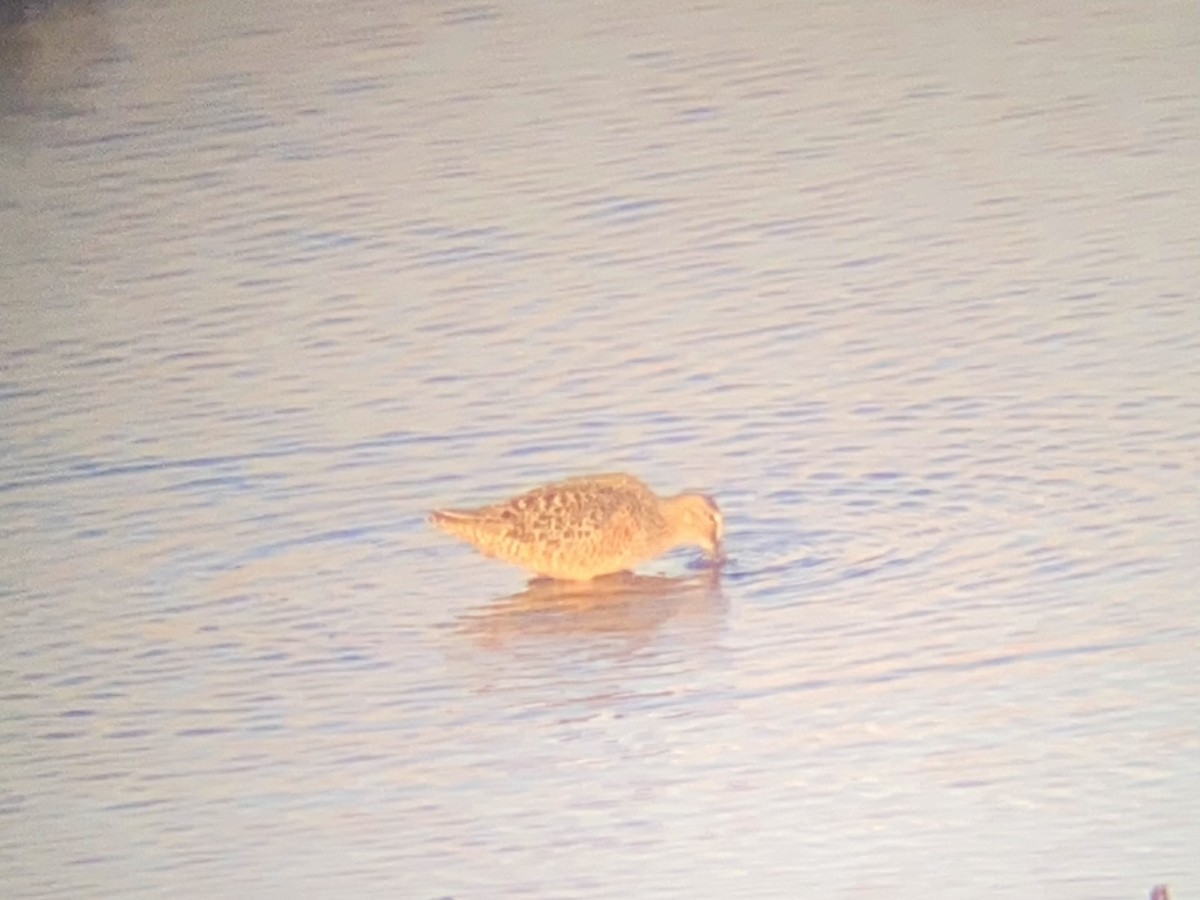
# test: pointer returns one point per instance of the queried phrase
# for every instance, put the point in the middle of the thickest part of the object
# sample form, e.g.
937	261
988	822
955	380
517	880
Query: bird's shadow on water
625	605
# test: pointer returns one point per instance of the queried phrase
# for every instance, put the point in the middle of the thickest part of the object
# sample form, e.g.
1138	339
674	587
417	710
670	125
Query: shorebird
588	526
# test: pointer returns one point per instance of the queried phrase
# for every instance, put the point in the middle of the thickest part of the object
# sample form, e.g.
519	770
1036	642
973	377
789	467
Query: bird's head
697	520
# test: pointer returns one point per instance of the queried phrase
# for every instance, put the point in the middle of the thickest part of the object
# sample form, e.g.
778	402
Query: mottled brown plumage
588	526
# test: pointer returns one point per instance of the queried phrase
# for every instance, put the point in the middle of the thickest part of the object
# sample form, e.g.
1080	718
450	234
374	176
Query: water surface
911	289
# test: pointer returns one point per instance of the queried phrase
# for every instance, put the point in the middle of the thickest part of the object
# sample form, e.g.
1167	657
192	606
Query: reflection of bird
626	607
588	526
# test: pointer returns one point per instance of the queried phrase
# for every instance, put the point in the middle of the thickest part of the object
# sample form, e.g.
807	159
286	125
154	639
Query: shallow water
912	290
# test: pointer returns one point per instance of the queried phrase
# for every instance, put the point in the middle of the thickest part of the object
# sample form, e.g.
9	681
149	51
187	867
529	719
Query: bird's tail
459	523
